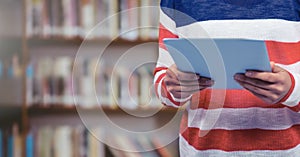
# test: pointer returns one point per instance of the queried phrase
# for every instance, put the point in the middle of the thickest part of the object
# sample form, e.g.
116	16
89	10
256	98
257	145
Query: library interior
76	80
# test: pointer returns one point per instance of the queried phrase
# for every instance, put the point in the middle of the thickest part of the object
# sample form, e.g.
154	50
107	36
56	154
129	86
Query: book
29	18
47	19
70	27
29	84
17	141
44	145
112	87
56	17
63	70
36	12
10	146
149	26
154	19
100	83
87	17
129	19
29	145
128	89
87	84
96	147
101	9
113	19
219	59
62	142
72	18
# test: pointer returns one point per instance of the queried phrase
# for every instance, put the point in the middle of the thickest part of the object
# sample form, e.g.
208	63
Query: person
263	118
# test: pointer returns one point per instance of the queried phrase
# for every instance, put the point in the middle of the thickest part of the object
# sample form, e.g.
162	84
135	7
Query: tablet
219	59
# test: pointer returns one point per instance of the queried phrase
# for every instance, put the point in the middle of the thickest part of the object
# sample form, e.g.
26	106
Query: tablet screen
219	59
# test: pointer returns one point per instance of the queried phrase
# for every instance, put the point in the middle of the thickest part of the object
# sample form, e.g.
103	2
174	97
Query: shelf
10	114
32	41
38	110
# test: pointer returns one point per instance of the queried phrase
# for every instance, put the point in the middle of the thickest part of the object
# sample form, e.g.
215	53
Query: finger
170	73
262	97
183	76
206	82
256	89
176	88
277	69
264	76
252	81
200	82
273	87
266	95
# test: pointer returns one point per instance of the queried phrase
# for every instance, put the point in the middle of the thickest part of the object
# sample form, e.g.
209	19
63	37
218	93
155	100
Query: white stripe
157	75
167	22
181	99
164	58
294	69
267	29
243	118
187	150
175	99
294	98
159	89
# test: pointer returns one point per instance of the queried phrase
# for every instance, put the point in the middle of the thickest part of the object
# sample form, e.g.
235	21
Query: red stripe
157	82
283	53
157	69
243	140
291	89
233	99
164	33
159	78
165	93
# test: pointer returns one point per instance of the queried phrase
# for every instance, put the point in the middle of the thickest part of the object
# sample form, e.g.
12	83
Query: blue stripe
203	10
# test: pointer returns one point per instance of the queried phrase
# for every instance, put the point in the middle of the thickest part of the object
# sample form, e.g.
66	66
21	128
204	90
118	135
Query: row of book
88	83
11	142
11	80
10	68
77	141
72	18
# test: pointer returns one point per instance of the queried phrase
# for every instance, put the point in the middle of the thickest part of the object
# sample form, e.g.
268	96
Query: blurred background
76	80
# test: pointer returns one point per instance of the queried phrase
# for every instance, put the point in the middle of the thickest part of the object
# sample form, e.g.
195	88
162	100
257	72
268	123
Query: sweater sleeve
167	29
292	99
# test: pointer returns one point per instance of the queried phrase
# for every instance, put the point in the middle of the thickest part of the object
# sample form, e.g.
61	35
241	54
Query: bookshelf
54	30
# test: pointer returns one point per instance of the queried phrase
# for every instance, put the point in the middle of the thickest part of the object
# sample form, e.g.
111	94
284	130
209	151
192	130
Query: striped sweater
245	125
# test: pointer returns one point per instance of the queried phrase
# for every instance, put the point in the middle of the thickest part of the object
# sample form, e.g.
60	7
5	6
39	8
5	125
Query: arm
172	86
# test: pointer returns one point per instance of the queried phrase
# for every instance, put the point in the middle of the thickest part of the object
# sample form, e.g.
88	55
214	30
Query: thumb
272	65
275	68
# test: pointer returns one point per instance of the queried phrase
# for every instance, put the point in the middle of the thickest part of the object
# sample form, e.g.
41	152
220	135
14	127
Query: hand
182	84
271	87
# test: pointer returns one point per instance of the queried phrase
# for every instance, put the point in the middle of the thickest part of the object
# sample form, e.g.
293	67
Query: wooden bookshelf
10	114
23	113
61	41
56	109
